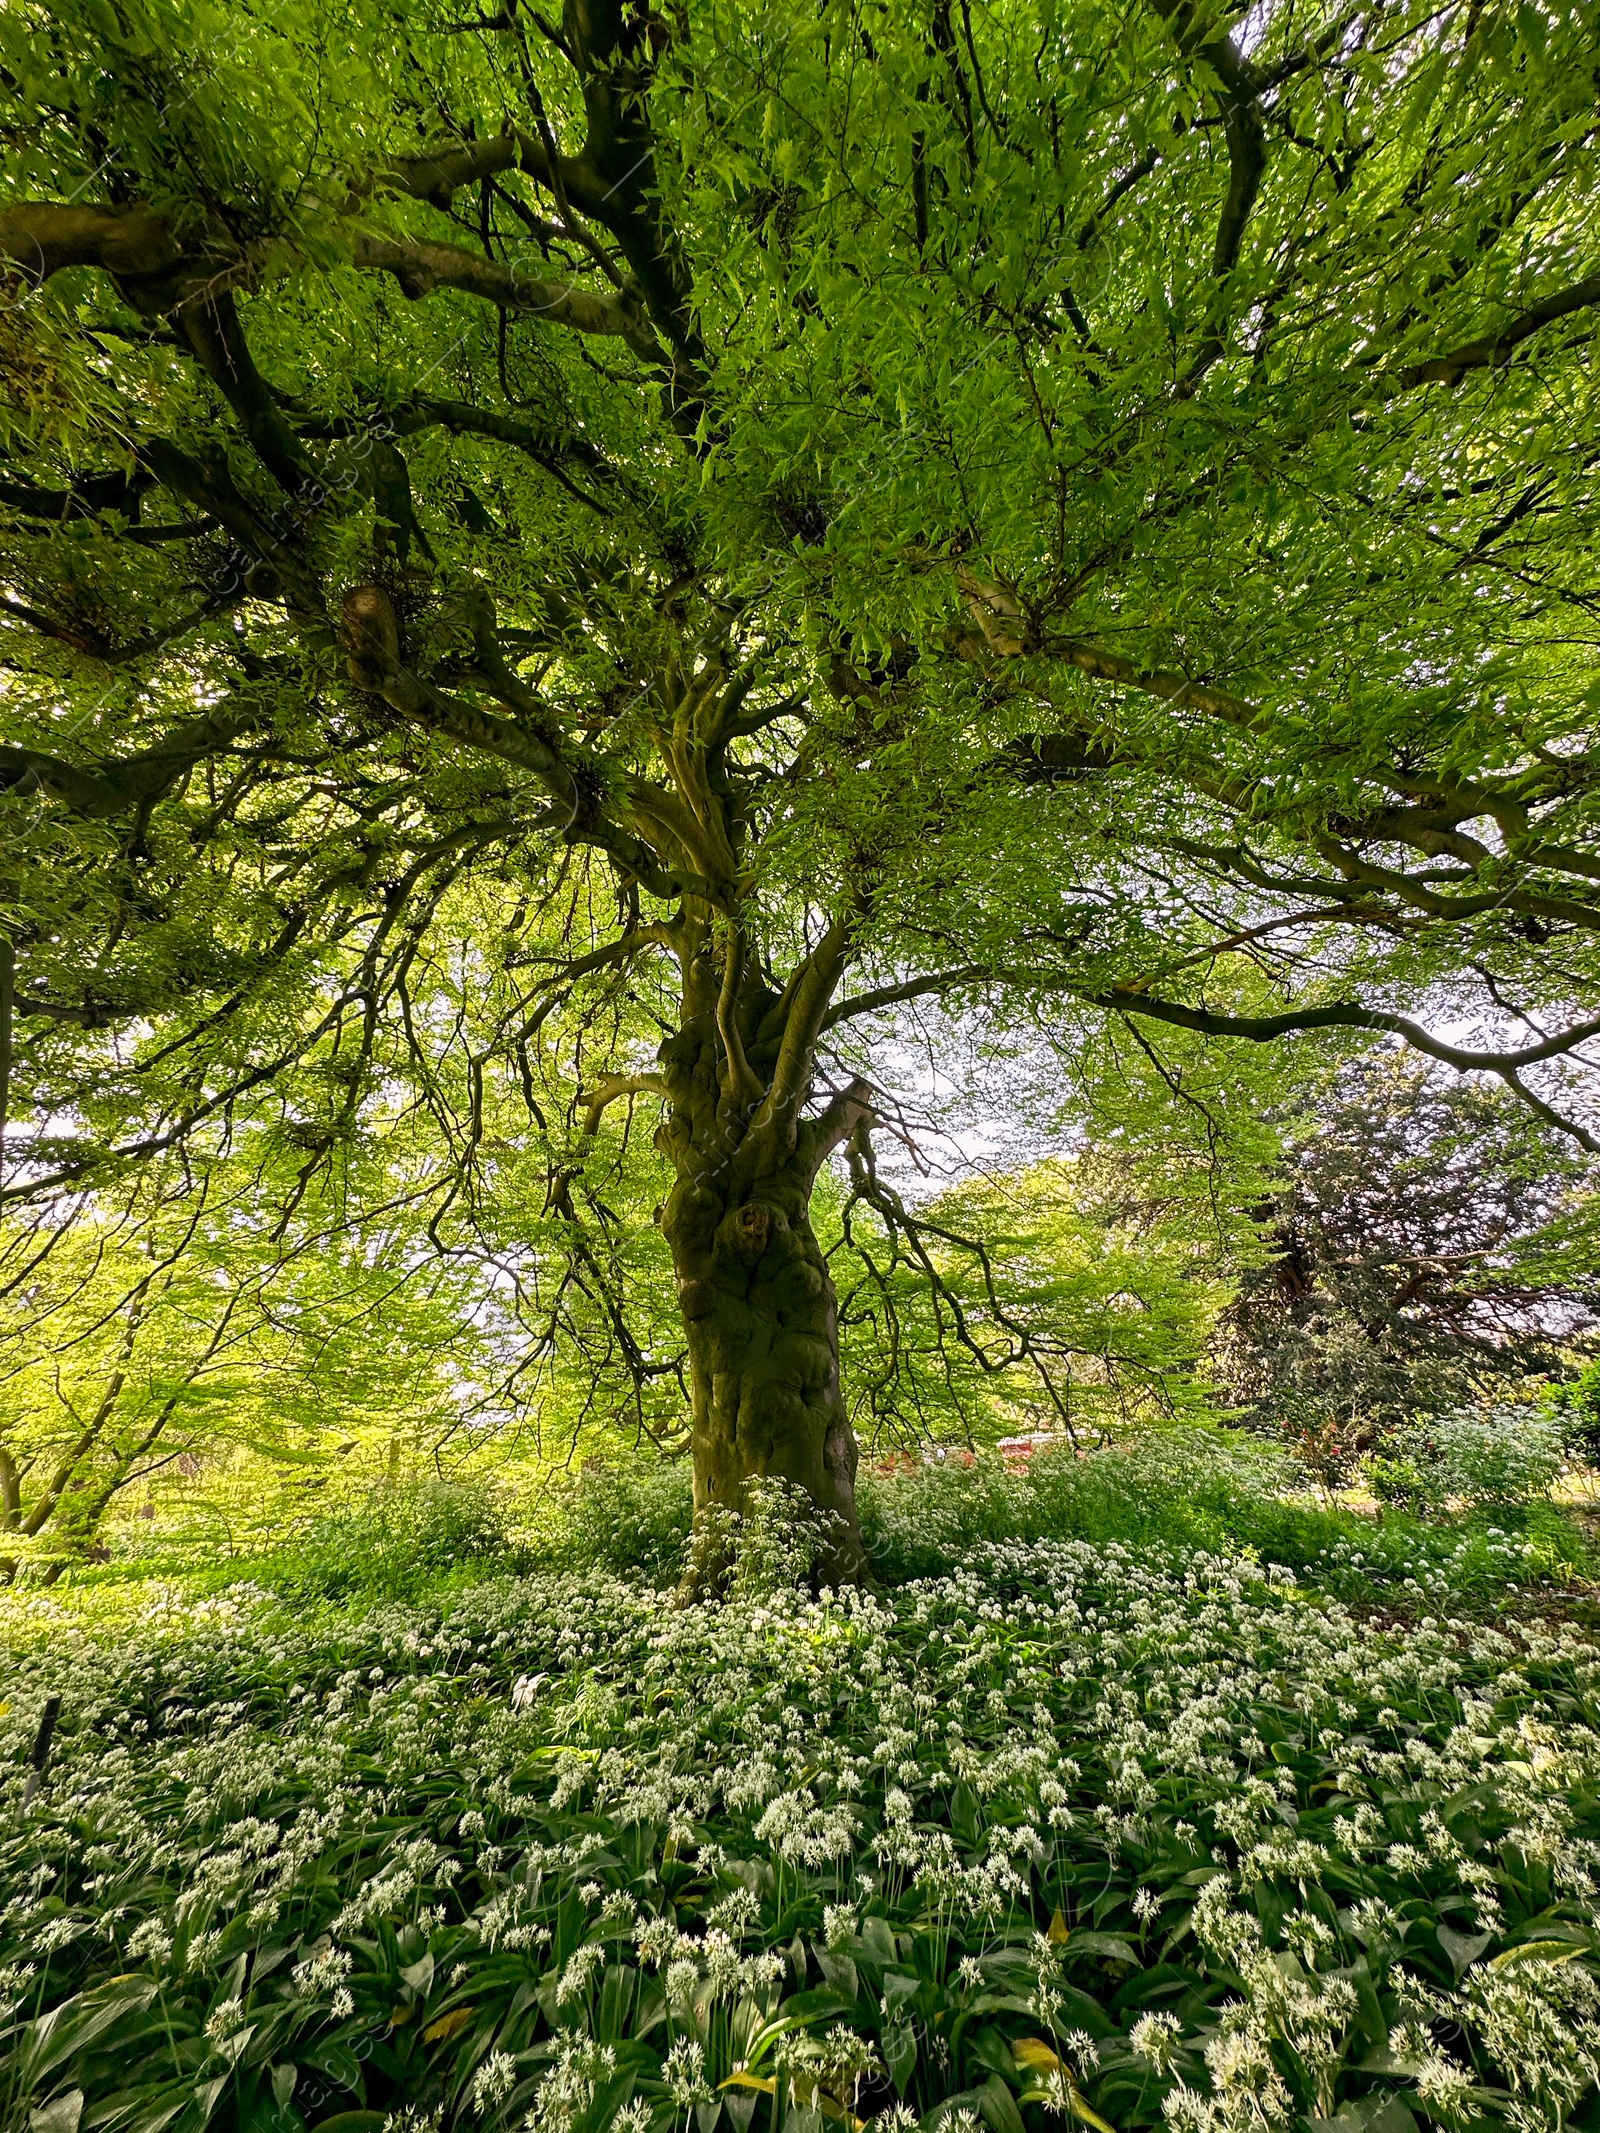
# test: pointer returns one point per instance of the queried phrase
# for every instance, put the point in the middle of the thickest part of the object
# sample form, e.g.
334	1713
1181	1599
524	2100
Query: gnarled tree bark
746	1146
762	1326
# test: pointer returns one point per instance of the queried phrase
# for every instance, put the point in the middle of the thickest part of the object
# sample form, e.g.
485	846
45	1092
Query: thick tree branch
210	487
1489	350
1244	132
565	969
1009	633
213	333
111	788
607	1092
544	446
371	636
1264	1029
421	267
133	243
844	1113
614	180
435	173
870	1003
136	246
776	1121
1432	829
743	1086
89	496
93	646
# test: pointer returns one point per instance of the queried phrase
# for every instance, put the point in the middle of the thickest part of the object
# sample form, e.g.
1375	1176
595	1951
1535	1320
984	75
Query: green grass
1179	1491
1218	1492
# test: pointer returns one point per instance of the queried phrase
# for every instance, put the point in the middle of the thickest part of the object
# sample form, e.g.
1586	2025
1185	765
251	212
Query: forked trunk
737	1078
762	1324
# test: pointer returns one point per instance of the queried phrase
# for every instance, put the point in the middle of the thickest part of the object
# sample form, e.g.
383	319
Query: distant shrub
1321	1440
392	1541
1190	1487
1196	1491
630	1519
1177	1491
1576	1410
1502	1458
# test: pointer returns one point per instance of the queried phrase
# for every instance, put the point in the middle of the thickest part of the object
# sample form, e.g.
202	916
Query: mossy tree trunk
762	1325
747	1135
759	1311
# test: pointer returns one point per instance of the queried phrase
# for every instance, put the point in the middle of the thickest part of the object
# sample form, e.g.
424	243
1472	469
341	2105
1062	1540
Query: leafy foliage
549	567
1079	1294
1503	1459
185	1331
1426	1247
1195	1490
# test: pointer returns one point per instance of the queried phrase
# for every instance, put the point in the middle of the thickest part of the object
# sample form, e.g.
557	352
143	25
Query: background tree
631	519
1075	1295
198	1330
1428	1244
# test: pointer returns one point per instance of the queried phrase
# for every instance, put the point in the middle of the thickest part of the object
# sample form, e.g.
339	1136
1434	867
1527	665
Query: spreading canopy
781	513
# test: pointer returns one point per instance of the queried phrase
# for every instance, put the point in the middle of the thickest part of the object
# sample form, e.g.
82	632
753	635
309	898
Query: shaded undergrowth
1176	1491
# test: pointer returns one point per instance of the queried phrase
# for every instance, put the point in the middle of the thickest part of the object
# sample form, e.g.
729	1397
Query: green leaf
899	2047
740	2106
1463	1949
79	2022
1530	1951
334	2057
992	2050
815	2003
206	2095
616	2001
962	2100
999	2107
1110	1946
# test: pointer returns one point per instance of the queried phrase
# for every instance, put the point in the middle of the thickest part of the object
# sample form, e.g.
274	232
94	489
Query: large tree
1426	1244
787	512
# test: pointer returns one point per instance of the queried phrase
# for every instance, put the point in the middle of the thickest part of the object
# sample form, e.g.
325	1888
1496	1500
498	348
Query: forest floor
1058	1826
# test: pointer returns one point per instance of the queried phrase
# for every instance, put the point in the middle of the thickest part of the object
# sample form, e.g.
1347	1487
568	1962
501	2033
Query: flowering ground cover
1070	1834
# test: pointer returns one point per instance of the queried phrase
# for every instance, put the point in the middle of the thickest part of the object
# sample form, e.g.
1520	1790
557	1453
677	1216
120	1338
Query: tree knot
999	613
745	1231
371	635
